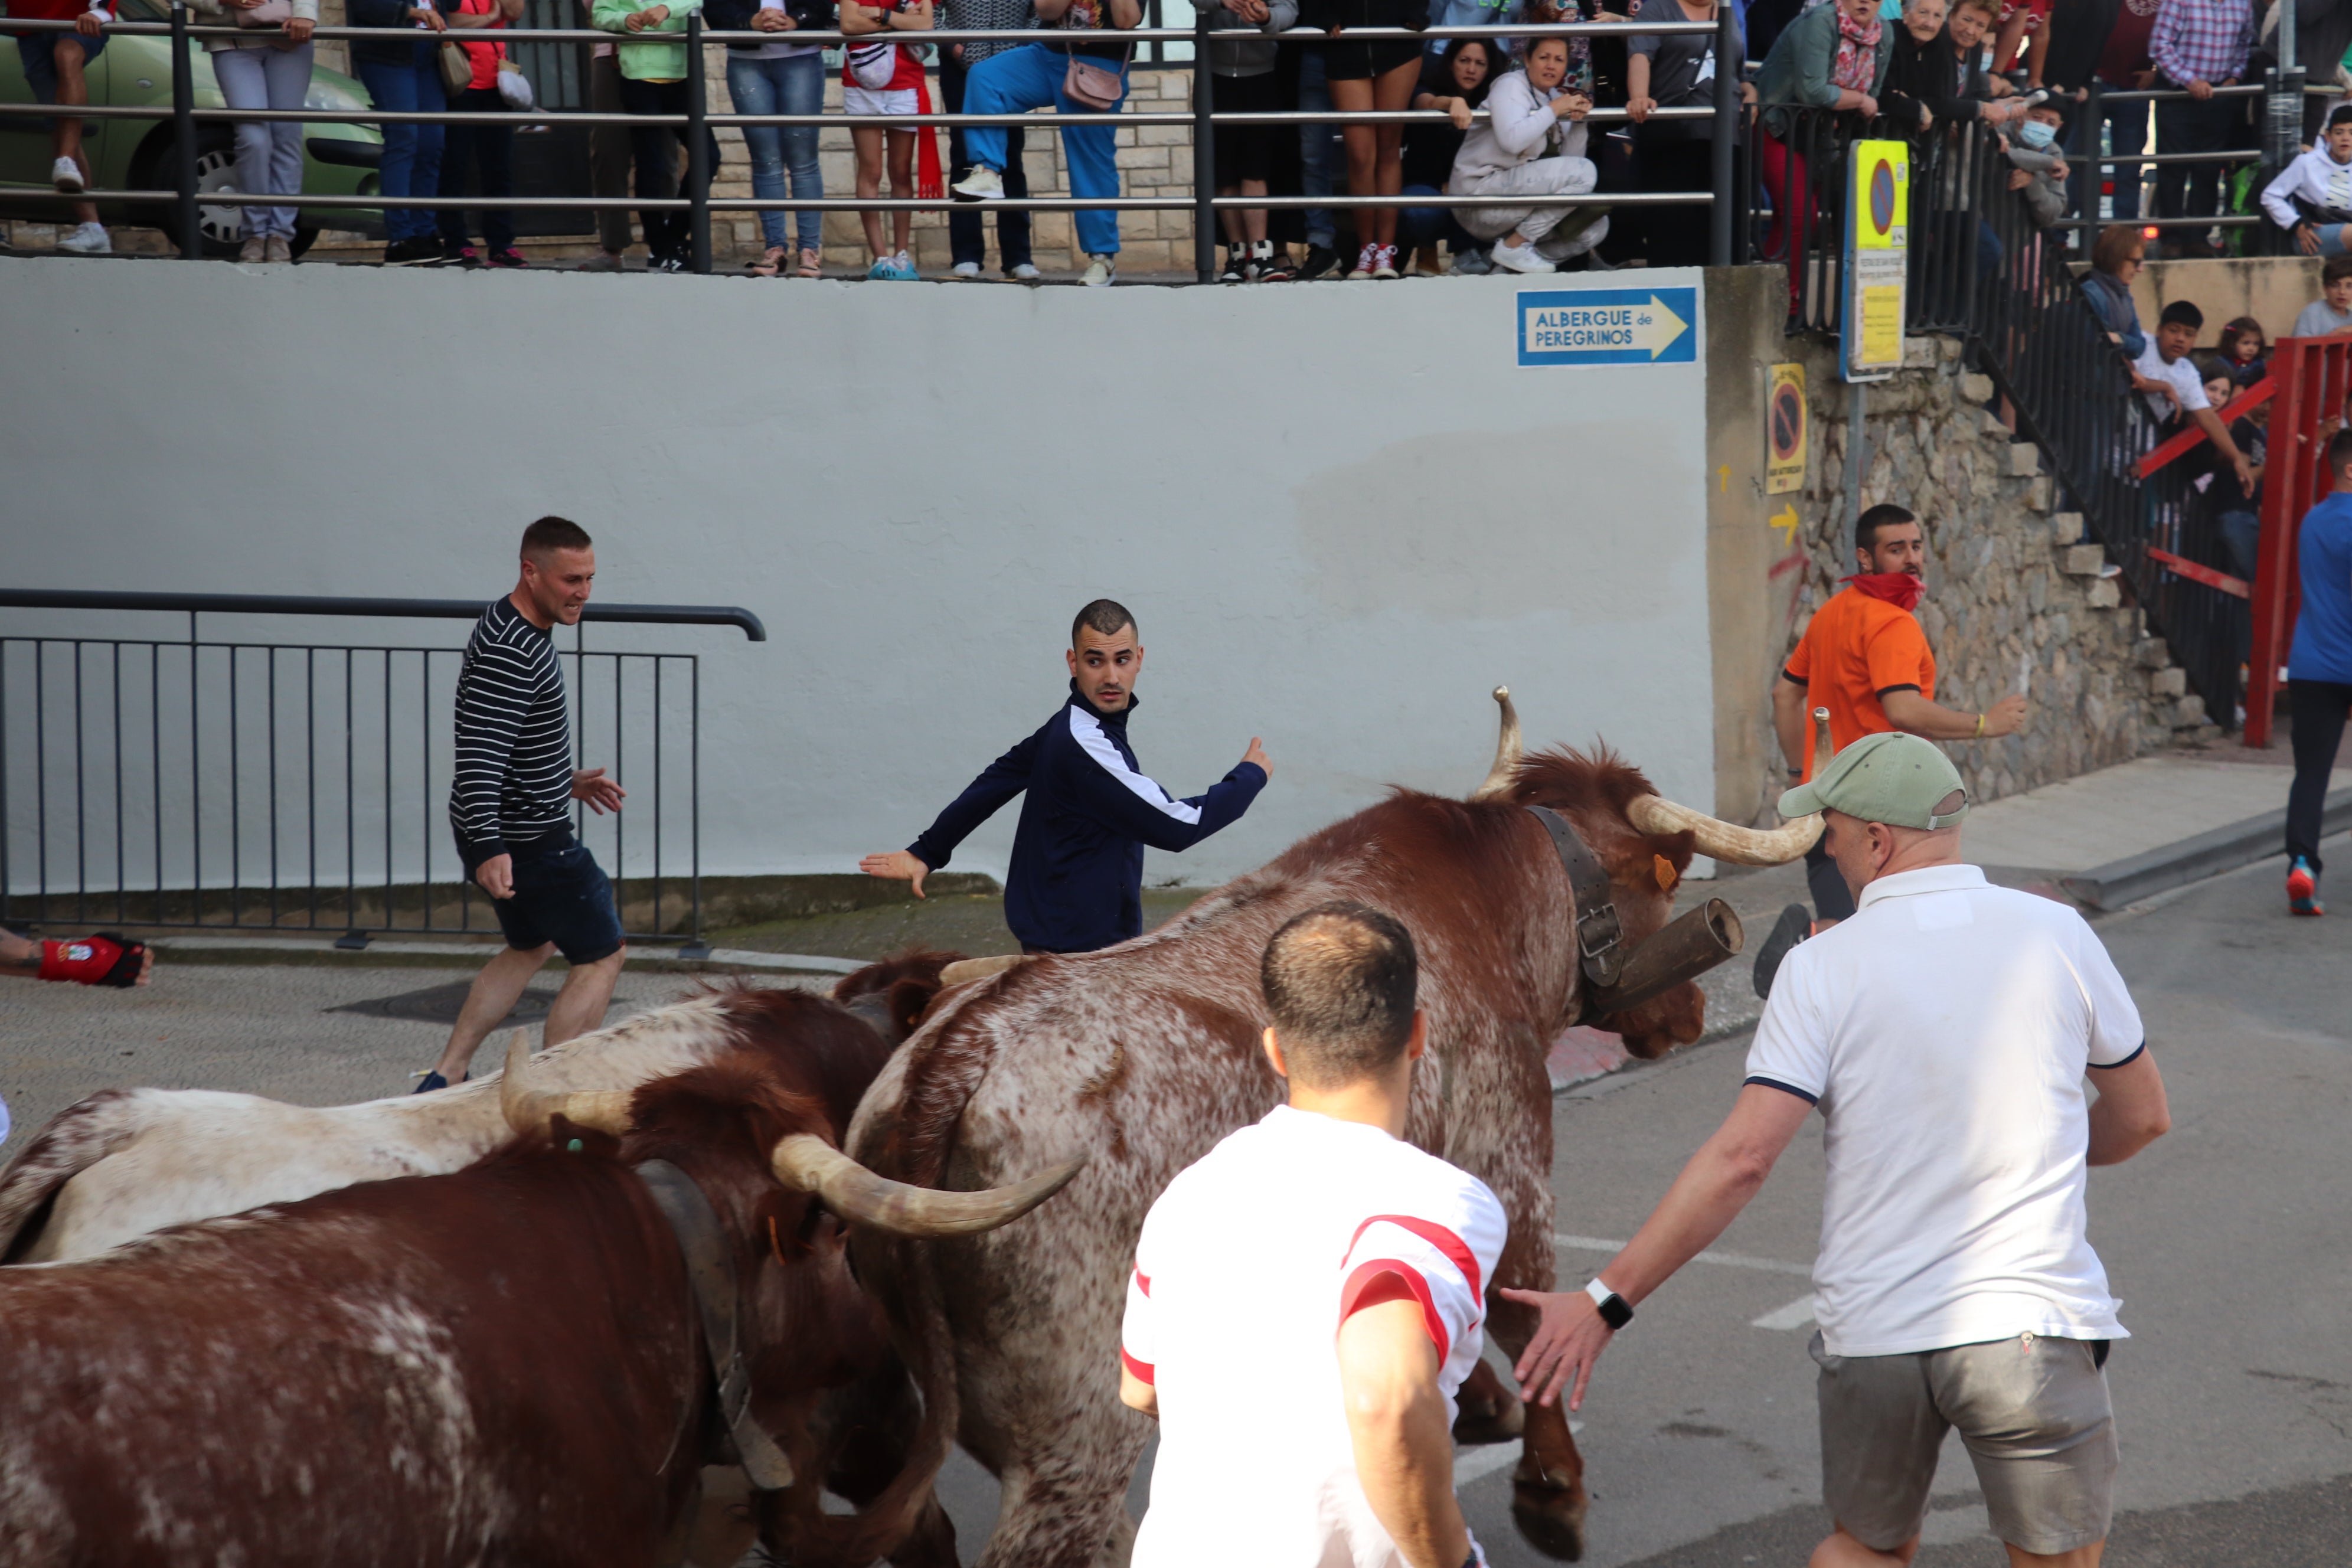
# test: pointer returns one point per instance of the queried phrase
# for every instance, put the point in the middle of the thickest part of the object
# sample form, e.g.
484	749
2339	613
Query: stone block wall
2011	587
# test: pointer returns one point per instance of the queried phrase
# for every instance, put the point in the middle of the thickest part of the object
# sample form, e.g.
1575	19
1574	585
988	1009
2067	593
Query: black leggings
2318	730
654	149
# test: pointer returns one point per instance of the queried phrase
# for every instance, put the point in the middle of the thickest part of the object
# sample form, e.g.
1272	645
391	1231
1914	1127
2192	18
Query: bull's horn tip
1502	694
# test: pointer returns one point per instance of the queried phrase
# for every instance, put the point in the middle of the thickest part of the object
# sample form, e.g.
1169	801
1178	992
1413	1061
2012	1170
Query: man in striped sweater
510	804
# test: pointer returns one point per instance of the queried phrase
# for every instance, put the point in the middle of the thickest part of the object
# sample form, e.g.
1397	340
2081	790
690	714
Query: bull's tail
76	1139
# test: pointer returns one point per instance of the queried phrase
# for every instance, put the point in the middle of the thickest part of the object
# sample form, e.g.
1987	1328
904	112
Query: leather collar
710	1270
1599	945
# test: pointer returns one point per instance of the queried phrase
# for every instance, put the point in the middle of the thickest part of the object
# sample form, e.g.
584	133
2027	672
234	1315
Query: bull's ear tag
1667	875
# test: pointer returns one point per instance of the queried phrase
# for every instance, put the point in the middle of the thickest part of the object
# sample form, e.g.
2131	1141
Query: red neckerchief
1899	589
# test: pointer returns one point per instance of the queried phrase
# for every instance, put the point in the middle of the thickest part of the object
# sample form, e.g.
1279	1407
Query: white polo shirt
1944	1031
1245	1269
2181	375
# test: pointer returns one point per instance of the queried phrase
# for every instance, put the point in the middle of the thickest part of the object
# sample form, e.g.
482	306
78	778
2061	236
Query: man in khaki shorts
1945	1033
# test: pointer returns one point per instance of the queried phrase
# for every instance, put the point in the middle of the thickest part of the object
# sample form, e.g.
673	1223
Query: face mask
2035	135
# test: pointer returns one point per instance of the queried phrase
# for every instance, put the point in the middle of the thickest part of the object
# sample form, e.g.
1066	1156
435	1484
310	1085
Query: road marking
1477	1464
1797	1314
1725	1259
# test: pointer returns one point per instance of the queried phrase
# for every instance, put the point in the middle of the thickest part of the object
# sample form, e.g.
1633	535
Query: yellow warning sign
1784	447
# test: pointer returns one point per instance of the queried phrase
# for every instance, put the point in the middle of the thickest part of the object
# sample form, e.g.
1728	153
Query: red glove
110	958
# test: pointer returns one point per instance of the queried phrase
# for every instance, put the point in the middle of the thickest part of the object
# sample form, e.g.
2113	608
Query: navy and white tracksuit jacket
1076	883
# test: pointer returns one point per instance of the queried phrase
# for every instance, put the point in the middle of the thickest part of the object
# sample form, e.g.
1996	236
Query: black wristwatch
1615	1310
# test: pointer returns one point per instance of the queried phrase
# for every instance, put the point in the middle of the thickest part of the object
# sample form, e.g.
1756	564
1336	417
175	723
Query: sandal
812	263
768	266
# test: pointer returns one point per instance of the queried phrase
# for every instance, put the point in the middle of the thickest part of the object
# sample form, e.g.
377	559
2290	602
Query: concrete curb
2119	882
283	950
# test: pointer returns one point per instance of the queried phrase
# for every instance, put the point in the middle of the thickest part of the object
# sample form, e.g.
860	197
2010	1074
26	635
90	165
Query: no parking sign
1877	258
1784	438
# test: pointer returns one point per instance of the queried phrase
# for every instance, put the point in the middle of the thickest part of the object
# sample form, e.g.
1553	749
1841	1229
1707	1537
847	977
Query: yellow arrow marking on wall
1785	520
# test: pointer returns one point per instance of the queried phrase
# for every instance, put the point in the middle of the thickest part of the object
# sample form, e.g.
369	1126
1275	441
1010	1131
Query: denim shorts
39	53
561	895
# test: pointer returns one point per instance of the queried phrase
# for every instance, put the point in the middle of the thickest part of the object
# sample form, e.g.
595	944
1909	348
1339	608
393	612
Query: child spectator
1244	69
2245	351
2312	197
2332	311
2170	378
53	64
1524	149
883	78
2040	169
1455	83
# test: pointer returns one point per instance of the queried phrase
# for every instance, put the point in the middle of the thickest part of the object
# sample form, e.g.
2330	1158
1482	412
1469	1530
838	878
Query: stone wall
2010	584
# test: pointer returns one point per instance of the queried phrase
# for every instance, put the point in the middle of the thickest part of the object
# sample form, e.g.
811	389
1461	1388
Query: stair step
2081	559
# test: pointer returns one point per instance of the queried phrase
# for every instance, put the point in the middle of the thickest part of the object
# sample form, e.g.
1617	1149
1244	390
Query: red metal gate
2314	378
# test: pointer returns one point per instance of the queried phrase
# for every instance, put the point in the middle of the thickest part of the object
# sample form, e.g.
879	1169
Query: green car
135	72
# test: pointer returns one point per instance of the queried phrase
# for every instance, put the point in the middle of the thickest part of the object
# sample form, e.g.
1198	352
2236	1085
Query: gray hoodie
1518	128
2045	198
1249	57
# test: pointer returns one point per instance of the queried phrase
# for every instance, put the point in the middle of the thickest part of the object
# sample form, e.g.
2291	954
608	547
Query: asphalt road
2227	1242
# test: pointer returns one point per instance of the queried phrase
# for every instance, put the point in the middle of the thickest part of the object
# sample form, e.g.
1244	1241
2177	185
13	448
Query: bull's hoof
1551	1516
1500	1418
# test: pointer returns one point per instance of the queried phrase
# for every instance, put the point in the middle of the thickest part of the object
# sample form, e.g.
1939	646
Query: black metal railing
1982	268
214	783
181	203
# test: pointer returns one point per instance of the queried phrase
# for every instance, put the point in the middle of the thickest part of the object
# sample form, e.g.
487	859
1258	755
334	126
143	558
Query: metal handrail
333	605
696	121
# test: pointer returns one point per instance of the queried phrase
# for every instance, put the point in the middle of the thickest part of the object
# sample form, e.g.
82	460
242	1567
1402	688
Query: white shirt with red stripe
1246	1266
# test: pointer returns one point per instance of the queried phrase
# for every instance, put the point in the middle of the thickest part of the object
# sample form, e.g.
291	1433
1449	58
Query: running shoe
279	248
1276	268
65	176
87	239
603	261
410	252
1519	258
510	256
1366	259
1102	271
906	272
2303	887
1384	261
1023	272
1321	262
1237	267
666	264
1795	924
255	248
982	184
965	271
1471	263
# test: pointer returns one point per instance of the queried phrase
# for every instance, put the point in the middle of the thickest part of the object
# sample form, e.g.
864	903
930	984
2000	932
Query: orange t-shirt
1856	649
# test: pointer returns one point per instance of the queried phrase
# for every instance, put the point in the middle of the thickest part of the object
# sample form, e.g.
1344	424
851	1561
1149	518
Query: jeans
490	149
608	151
2185	125
655	147
2318	730
793	84
1319	152
268	152
412	153
966	240
1030	78
1417	226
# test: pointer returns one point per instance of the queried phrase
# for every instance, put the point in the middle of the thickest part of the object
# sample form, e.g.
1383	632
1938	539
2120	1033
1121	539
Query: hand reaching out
899	865
603	794
1568	1342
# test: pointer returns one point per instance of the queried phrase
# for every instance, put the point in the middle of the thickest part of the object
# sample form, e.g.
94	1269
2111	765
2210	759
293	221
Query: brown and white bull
1144	1055
525	1362
126	1162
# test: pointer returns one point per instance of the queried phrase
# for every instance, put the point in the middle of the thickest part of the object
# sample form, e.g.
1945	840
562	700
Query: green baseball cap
1894	778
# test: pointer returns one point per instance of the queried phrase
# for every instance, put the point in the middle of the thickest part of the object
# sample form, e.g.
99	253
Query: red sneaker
2302	888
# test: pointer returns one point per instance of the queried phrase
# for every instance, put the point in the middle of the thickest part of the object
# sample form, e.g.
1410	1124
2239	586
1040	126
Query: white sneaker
87	239
1024	273
279	248
1518	259
1101	272
65	174
255	248
967	270
982	184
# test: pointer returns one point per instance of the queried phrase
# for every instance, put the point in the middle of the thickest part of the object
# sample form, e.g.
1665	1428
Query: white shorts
855	100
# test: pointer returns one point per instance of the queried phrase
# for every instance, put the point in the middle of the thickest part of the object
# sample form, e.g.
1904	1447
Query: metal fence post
2282	141
1204	151
184	134
1727	68
698	146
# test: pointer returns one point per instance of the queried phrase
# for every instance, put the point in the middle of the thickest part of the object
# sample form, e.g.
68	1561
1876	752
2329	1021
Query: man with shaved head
1946	1032
1308	1295
1075	882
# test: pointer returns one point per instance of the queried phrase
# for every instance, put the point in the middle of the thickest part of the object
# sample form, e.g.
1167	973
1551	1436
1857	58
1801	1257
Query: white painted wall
1342	513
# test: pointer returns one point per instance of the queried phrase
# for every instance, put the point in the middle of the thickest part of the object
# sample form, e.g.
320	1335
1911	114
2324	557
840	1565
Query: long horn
1740	846
530	1111
1507	747
965	970
1822	750
813	1165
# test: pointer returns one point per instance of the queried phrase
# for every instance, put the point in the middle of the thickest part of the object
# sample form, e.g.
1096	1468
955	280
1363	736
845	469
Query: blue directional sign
1609	326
